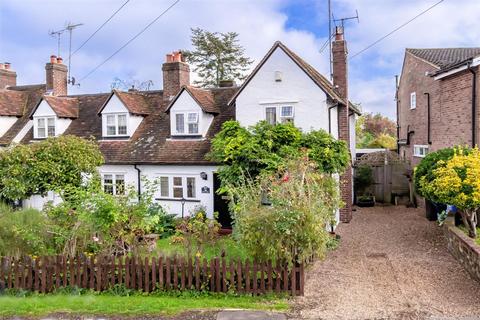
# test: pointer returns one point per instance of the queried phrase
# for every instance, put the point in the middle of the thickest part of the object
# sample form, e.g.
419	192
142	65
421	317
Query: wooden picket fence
45	274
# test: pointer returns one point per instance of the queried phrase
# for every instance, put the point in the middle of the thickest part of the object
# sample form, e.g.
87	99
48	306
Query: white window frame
186	123
278	113
117	126
420	151
114	182
413	100
183	186
45	119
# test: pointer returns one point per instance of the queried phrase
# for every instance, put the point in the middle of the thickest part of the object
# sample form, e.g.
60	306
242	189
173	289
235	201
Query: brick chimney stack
8	77
340	82
56	76
176	73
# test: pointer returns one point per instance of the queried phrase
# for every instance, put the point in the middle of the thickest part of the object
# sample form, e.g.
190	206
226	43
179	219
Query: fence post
239	276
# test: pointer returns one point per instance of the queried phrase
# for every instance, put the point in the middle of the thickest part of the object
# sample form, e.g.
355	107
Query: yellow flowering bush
457	182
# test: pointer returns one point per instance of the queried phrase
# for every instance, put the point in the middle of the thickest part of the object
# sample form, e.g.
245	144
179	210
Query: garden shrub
196	231
427	166
293	227
50	165
265	148
457	182
24	232
363	179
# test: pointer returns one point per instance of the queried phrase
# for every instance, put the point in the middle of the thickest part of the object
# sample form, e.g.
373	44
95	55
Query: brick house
164	135
437	100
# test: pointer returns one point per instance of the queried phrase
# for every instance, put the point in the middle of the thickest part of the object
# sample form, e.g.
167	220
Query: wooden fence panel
47	274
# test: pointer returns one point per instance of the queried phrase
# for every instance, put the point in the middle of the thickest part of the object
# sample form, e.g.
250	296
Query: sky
302	25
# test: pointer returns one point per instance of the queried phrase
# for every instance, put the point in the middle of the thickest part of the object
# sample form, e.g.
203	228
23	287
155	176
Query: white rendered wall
185	103
353	136
5	123
153	172
115	106
23	132
295	89
334	122
38	201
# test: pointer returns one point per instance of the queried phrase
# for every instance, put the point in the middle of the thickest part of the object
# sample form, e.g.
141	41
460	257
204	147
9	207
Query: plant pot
369	202
432	209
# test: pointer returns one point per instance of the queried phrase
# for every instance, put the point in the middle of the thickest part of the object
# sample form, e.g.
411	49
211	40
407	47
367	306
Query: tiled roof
316	76
63	107
151	143
134	101
203	97
34	94
12	103
445	58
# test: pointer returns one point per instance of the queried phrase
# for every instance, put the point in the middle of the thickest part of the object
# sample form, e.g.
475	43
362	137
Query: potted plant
363	181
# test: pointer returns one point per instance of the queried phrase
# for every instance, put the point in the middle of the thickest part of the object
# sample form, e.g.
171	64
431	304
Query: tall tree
217	56
375	131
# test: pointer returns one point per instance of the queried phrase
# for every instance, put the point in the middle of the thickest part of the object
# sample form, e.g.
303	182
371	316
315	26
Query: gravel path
391	264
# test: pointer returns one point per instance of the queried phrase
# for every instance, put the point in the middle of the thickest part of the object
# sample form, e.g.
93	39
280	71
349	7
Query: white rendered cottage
165	135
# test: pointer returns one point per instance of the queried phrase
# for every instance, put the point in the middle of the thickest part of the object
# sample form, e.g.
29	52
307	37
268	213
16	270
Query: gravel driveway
391	264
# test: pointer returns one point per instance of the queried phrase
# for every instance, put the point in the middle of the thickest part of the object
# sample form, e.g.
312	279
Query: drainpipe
474	103
139	186
398	121
428	117
330	117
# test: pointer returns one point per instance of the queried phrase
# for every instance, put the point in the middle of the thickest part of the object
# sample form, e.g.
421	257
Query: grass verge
89	304
477	240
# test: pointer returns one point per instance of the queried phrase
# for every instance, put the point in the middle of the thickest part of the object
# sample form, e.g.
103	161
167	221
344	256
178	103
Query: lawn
130	306
232	249
477	240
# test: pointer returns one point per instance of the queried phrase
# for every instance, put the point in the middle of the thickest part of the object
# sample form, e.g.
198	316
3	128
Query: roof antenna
70	27
57	34
342	20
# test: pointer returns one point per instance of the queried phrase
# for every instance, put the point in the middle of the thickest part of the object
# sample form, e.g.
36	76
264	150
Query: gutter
474	103
429	140
139	186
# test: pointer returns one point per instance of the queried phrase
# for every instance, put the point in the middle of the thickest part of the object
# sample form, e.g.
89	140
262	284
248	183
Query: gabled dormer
191	112
52	116
122	113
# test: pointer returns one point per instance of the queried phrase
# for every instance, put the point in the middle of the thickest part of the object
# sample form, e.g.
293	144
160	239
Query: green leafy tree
375	131
50	165
217	56
265	148
294	227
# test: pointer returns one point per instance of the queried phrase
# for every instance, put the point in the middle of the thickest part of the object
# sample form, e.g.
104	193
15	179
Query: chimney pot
338	33
59	60
176	74
226	83
53	59
6	65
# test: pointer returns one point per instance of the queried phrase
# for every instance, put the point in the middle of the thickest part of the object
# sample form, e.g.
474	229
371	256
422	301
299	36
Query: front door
220	204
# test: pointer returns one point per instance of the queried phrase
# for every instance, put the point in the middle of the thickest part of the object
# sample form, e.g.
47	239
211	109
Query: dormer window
186	123
45	127
116	124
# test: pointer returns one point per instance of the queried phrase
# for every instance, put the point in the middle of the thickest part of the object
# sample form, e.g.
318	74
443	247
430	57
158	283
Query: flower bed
463	248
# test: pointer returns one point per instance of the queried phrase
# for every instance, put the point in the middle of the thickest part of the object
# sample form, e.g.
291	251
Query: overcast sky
300	24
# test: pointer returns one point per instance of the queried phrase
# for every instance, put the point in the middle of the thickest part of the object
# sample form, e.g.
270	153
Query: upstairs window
186	123
45	127
413	100
283	113
116	124
114	183
286	114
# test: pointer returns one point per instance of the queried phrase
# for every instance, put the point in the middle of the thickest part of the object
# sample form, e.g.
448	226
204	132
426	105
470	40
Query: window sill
176	199
115	137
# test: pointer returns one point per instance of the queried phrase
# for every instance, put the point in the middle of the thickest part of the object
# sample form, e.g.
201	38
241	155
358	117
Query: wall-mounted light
203	175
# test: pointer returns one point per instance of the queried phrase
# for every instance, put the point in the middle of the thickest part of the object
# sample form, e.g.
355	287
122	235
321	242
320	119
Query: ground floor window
114	183
420	151
178	187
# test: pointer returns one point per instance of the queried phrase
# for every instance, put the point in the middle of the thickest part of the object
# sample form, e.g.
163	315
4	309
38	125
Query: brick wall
56	78
450	108
7	78
340	81
463	248
175	75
